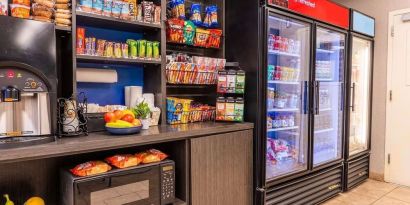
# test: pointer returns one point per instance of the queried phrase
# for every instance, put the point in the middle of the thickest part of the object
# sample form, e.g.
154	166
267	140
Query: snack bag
22	2
85	5
214	40
100	47
20	11
189	32
4	7
149	50
117	50
109	49
211	18
116	8
196	14
155	50
201	37
147	11
157	15
151	156
107	8
90	168
98	6
142	48
133	9
41	10
125	11
124	49
178	8
123	161
175	31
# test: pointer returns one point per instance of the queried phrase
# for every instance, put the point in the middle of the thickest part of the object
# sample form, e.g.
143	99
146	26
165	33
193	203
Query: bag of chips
20	11
90	168
189	32
196	14
201	37
214	40
175	31
151	156
211	17
123	161
178	8
4	7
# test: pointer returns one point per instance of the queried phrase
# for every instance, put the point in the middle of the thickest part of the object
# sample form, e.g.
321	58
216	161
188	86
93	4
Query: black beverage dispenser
28	82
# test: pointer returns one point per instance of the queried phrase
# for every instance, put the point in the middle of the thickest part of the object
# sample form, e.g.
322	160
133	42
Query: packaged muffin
90	168
20	11
123	160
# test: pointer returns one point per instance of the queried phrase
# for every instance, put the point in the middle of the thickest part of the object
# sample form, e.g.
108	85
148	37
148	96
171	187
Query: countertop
104	141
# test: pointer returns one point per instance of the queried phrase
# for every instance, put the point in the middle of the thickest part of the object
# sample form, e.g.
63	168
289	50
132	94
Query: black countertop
105	141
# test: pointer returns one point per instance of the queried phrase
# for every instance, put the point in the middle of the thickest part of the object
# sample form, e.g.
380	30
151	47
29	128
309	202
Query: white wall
380	10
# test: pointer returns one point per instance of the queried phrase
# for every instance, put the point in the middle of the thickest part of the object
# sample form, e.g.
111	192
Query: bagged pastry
123	161
62	6
63	15
90	168
151	156
22	2
41	11
62	21
20	11
47	3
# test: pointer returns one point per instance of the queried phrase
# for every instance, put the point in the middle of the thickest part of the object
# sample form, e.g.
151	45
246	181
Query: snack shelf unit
204	93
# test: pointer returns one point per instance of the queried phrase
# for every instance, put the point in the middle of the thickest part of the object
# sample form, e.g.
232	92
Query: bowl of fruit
122	122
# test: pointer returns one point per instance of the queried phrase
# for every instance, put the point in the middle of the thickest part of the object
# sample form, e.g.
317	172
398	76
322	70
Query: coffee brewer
28	82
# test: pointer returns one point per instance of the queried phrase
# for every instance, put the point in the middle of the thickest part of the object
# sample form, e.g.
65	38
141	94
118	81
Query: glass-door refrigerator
359	100
287	117
329	95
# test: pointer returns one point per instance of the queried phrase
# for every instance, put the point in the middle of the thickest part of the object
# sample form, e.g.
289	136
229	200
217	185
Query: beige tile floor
374	192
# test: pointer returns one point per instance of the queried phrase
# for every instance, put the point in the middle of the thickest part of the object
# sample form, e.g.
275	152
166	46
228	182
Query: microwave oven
150	184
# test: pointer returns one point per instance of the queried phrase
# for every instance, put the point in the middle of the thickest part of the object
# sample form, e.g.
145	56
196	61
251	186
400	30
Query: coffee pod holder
71	118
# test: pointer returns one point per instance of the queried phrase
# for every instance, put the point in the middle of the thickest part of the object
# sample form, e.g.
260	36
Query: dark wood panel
104	141
221	169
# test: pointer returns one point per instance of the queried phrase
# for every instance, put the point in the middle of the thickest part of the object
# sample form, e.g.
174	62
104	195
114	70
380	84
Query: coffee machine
28	82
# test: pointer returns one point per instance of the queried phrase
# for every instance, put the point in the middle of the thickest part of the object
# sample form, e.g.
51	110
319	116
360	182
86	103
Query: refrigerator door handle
317	107
305	99
353	96
342	92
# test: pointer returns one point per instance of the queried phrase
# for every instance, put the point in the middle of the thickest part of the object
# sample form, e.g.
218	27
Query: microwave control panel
168	183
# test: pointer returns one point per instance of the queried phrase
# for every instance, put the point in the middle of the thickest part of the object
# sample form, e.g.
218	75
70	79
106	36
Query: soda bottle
277	73
277	43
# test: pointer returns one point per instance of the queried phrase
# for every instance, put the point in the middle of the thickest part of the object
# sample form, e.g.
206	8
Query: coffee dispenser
28	79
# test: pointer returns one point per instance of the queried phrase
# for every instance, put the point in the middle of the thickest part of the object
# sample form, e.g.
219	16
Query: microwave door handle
142	171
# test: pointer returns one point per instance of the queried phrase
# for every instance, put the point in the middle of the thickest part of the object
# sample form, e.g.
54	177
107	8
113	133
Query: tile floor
374	192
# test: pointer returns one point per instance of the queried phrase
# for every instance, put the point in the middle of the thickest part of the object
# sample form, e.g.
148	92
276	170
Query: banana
119	124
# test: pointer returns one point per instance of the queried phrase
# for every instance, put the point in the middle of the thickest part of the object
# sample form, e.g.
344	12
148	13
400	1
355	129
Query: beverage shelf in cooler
284	110
325	109
282	53
283	128
284	82
324	50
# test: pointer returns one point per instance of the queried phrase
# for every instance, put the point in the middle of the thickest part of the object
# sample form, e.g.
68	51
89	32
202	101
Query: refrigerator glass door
287	95
360	95
329	96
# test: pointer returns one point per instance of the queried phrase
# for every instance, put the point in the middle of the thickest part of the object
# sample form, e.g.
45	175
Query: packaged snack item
222	81
125	11
211	17
230	109
90	168
148	53
133	9
139	12
189	32
93	42
62	1
109	49
239	108
151	156
86	5
22	2
62	21
80	40
20	11
157	15
98	6
62	6
100	47
63	11
214	40
201	37
88	46
123	160
240	82
147	11
178	8
117	50
107	7
4	6
142	48
155	50
116	8
231	81
133	48
62	15
196	14
40	10
220	108
175	30
124	50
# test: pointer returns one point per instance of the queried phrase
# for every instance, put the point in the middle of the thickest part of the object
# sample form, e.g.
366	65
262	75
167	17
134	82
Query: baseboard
376	176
